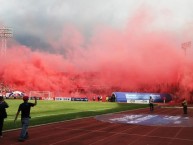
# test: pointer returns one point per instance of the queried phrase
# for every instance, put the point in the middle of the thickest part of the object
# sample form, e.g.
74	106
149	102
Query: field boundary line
60	114
9	130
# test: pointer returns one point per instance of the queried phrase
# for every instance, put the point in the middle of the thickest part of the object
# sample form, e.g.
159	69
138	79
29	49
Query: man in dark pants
3	113
25	116
151	104
185	106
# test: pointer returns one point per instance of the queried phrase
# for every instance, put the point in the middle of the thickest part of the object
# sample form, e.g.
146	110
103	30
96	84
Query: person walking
3	114
151	106
25	108
185	106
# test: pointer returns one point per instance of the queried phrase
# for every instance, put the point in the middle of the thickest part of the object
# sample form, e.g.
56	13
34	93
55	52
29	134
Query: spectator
107	98
3	113
151	106
24	108
98	98
101	98
185	106
93	98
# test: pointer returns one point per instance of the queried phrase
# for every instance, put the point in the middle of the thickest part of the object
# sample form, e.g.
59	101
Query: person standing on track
185	106
24	108
3	113
151	106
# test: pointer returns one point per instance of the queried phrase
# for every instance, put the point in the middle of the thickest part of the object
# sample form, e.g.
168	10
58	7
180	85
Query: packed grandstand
93	92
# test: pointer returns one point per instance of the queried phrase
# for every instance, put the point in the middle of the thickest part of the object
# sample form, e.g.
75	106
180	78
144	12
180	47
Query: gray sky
33	20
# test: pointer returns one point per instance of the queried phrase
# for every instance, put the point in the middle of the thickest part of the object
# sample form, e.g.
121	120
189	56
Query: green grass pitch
54	111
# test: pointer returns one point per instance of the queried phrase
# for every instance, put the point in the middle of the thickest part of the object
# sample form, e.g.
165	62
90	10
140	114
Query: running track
89	131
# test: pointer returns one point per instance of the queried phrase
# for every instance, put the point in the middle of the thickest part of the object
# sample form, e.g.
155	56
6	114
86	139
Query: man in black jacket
3	113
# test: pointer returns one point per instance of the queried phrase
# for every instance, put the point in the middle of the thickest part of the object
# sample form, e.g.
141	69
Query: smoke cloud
135	58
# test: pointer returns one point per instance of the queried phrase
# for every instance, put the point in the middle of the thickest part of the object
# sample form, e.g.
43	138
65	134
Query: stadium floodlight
186	45
5	33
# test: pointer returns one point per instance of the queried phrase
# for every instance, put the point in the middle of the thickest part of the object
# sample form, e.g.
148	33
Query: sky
128	44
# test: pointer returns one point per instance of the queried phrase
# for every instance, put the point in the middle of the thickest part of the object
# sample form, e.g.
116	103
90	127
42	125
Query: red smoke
132	59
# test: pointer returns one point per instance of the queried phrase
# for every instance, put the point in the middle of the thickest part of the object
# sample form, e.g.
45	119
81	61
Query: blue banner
128	96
